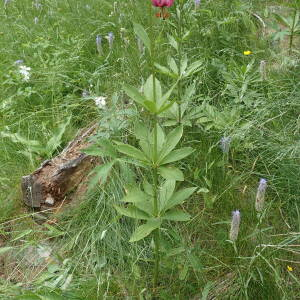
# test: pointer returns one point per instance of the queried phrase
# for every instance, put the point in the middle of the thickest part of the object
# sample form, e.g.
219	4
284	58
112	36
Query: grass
93	258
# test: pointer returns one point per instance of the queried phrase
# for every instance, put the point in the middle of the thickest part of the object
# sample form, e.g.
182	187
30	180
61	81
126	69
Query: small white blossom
100	101
24	71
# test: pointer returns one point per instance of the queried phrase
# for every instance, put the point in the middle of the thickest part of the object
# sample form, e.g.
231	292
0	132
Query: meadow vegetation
232	71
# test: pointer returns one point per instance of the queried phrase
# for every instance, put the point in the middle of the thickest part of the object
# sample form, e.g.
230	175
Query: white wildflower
100	101
24	71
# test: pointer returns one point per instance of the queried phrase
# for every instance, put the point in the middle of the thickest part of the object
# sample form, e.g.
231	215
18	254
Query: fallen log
57	179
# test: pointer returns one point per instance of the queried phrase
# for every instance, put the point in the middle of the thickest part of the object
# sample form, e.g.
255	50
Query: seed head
225	144
235	225
99	44
260	195
263	70
110	37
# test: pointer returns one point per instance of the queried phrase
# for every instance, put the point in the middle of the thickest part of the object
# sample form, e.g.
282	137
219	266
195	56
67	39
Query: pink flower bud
162	3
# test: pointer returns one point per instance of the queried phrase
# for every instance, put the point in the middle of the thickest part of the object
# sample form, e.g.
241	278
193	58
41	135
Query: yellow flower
247	52
289	268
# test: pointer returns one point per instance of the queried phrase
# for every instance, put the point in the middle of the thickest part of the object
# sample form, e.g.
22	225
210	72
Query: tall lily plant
156	202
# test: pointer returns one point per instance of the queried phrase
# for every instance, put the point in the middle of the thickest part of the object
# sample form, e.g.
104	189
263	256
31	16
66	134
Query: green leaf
173	66
175	251
148	188
140	199
184	62
142	34
173	42
148	88
165	70
141	132
22	234
132	212
183	272
134	196
131	151
179	197
144	230
102	148
151	106
55	141
176	215
160	137
171	173
177	155
172	140
163	100
101	174
206	290
134	94
194	67
165	193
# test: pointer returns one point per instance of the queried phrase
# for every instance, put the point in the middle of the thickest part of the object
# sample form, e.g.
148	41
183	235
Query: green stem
155	152
292	33
240	273
179	87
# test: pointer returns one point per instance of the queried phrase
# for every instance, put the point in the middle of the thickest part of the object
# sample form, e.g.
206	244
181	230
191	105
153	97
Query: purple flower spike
110	37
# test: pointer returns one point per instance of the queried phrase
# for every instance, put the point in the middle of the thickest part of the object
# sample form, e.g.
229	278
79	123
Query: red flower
162	3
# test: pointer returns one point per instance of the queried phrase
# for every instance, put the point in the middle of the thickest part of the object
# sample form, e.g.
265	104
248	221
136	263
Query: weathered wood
56	179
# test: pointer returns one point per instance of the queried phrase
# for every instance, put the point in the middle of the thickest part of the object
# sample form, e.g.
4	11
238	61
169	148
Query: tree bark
57	179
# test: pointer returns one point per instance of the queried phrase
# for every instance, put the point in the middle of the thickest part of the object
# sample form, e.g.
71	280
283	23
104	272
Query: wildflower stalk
244	284
292	33
154	166
179	86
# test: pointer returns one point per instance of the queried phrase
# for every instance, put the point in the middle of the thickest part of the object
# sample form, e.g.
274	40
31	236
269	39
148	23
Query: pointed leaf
149	90
144	230
102	148
134	196
131	151
173	66
134	94
165	70
142	34
173	42
179	197
148	188
176	215
166	192
177	155
172	140
171	173
100	174
140	199
194	67
132	212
